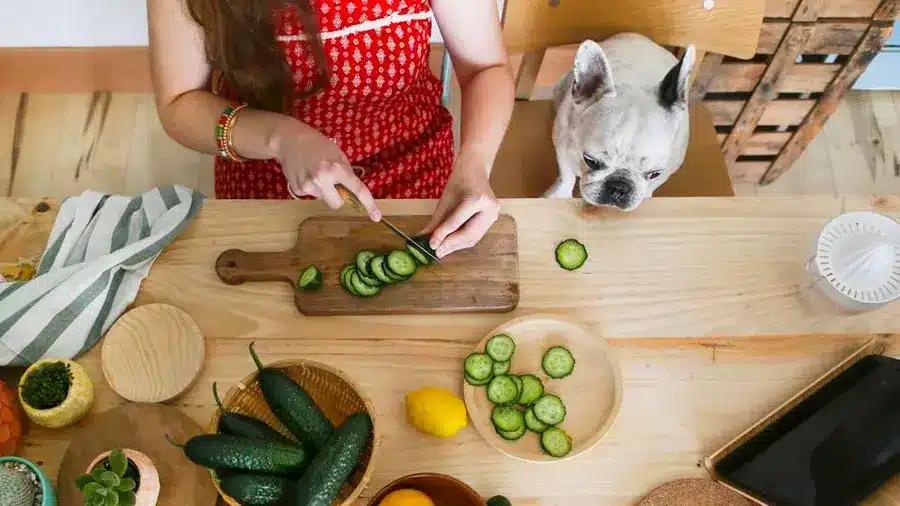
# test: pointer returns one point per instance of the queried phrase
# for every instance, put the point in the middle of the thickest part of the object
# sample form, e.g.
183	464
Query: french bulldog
622	125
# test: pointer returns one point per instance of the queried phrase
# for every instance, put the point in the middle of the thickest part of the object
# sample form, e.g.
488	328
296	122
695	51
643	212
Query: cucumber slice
501	368
571	254
393	275
550	409
558	362
402	263
512	435
361	288
476	383
479	366
533	424
311	279
507	418
376	265
345	277
502	390
500	347
373	282
519	386
532	389
418	255
362	261
556	442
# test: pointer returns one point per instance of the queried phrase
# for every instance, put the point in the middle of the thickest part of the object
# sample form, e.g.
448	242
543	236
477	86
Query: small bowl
442	489
47	492
334	392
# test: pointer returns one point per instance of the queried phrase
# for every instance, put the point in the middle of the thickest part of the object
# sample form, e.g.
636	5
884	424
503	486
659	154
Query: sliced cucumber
507	418
373	282
501	368
311	279
400	262
500	347
361	288
393	275
532	389
512	435
418	255
479	366
556	442
533	424
550	409
362	261
519	386
345	277
558	362
571	254
477	383
376	265
502	390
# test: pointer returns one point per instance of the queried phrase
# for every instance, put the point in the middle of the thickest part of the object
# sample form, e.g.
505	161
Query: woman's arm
471	31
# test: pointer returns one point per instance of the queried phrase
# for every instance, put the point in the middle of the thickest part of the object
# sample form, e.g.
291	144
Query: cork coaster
152	353
693	492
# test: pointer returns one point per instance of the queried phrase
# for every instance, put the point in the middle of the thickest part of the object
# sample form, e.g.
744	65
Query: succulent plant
107	485
48	386
16	489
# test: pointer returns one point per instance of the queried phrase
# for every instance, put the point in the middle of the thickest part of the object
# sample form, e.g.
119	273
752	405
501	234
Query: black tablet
832	449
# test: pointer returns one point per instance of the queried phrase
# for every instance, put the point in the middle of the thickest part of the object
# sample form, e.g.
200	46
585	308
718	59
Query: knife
348	196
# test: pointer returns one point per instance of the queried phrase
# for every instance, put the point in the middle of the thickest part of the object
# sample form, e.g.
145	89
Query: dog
621	126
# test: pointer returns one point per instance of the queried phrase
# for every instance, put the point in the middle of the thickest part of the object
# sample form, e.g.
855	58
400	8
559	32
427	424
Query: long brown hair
240	43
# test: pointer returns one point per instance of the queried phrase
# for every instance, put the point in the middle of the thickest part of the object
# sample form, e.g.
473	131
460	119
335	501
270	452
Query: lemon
436	411
406	497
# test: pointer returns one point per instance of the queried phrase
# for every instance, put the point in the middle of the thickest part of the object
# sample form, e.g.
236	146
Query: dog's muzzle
617	192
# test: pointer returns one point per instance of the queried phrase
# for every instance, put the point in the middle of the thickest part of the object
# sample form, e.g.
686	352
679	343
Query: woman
319	92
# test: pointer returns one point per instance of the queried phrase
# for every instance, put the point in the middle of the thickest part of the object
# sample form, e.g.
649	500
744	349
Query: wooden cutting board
484	278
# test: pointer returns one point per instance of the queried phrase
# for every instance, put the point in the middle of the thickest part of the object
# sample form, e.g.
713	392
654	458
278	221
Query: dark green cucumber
220	451
330	469
376	265
498	500
417	254
400	262
477	383
571	254
361	288
345	277
362	261
236	424
293	406
512	435
250	489
310	279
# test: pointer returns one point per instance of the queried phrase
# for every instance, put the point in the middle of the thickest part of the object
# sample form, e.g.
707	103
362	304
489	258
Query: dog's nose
618	191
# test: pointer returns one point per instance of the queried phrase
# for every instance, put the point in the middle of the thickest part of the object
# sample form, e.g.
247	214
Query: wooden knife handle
236	266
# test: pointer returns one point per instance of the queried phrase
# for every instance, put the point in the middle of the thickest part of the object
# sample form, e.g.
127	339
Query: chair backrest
729	27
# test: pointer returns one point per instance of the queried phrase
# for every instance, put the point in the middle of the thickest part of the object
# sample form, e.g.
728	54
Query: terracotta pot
443	490
76	405
10	421
148	492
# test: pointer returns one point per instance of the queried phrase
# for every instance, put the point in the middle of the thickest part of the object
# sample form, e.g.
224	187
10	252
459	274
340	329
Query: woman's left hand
466	211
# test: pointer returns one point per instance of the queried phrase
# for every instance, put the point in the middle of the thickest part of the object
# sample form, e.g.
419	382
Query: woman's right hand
313	165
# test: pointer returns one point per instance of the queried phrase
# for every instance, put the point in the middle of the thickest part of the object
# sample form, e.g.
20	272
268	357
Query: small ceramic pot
148	491
442	489
10	421
47	492
76	405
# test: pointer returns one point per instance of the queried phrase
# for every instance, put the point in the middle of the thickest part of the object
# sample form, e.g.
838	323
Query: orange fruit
406	497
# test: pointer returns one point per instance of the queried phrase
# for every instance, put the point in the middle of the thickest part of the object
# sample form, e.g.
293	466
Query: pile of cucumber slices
371	271
520	402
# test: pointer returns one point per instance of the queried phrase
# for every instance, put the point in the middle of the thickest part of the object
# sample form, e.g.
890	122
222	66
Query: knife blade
348	196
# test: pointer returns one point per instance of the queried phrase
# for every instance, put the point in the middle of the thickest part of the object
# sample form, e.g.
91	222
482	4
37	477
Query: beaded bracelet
224	128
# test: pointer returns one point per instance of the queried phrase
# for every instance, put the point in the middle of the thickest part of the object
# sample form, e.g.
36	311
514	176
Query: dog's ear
673	91
593	76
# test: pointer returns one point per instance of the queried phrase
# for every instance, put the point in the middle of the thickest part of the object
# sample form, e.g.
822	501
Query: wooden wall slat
808	10
888	11
849	8
778	112
743	77
834	37
770	35
705	73
747	172
766	143
781	8
790	48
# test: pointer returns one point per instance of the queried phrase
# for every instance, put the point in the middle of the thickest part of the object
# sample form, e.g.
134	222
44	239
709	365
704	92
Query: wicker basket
337	395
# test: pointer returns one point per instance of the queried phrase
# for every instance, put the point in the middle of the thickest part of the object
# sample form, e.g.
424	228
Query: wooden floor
59	145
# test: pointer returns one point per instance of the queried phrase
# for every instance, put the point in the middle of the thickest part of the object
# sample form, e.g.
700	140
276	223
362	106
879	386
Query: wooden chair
526	164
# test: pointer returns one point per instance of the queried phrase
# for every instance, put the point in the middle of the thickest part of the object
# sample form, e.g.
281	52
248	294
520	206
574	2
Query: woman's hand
466	211
313	165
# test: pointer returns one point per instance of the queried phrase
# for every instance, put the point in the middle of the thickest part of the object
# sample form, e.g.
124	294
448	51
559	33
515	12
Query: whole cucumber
293	406
236	424
220	451
335	463
256	489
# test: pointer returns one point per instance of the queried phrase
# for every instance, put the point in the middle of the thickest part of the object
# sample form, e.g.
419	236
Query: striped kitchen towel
100	249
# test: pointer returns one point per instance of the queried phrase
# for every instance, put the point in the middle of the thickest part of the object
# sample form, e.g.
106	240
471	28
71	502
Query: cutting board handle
236	266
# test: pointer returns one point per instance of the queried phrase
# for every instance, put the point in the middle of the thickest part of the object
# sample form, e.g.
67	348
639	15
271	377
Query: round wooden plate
592	394
152	353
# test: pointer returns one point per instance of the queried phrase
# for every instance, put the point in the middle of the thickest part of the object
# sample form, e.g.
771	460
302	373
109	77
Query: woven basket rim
248	381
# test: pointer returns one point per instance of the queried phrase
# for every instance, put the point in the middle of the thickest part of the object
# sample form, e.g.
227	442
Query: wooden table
699	298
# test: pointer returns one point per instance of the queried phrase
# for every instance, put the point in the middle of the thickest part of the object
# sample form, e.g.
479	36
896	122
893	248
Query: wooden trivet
152	353
693	492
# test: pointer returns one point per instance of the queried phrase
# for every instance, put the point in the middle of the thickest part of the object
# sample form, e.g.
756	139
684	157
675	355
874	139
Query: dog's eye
653	175
593	163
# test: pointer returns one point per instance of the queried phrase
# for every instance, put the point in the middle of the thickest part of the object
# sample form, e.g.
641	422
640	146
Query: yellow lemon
436	411
406	497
